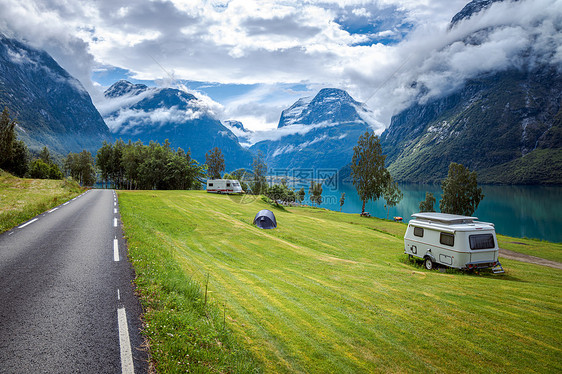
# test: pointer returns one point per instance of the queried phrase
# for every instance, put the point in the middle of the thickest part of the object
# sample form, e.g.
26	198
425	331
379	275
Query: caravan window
418	231
482	241
447	239
210	185
228	185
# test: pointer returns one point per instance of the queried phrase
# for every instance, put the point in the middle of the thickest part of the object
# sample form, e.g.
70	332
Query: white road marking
66	203
124	343
115	250
118	295
52	210
30	222
114	203
114	222
114	210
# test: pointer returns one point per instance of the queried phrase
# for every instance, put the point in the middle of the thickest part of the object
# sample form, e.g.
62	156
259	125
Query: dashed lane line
28	223
52	210
114	222
115	250
124	343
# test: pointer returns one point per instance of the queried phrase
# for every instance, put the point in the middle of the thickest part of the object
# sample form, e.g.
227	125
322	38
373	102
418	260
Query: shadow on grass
483	273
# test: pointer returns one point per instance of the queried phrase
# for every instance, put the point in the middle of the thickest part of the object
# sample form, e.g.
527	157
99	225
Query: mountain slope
499	124
50	106
317	132
137	112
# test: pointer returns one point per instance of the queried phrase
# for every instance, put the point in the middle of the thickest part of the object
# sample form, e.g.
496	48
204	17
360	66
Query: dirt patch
506	253
518	243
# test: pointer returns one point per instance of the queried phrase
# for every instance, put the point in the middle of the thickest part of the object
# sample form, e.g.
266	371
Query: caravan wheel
428	263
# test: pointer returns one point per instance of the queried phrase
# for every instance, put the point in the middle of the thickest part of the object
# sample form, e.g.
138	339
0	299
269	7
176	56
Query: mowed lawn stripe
331	292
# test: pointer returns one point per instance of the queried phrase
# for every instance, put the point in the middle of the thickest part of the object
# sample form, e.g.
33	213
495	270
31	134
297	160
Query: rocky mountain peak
472	8
330	105
124	87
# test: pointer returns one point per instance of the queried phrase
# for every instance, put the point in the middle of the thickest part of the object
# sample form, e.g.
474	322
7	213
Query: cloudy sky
252	59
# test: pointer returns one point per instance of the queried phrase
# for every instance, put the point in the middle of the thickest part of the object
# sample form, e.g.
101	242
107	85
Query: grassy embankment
325	292
22	198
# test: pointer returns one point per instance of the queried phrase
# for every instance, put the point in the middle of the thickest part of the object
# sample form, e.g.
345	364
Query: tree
428	203
300	195
461	194
14	155
45	155
80	166
103	162
367	168
215	163
39	169
7	136
392	195
342	200
260	169
316	192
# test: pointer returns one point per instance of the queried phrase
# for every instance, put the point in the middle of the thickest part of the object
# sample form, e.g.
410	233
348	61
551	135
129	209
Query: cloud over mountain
387	53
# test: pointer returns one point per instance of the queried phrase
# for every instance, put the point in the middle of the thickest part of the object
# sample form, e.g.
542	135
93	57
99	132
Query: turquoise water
519	211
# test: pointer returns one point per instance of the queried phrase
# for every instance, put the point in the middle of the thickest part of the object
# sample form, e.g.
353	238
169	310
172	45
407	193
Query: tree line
153	166
16	158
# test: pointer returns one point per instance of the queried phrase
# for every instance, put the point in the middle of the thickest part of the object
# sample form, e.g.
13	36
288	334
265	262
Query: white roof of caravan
449	222
444	217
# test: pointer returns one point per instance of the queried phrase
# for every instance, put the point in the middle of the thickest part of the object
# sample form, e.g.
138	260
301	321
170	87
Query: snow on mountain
138	112
316	132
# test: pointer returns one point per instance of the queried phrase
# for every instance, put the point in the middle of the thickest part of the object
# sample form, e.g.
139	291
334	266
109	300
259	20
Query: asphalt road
66	300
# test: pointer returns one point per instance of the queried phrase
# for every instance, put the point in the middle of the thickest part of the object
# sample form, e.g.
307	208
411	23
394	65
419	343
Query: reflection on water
520	211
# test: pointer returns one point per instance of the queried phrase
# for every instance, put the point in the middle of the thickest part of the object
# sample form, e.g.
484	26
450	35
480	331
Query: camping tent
265	219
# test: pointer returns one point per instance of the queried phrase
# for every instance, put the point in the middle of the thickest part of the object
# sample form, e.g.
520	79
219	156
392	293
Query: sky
252	59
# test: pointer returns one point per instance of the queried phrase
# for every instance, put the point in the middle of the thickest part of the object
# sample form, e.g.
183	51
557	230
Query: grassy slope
22	199
332	292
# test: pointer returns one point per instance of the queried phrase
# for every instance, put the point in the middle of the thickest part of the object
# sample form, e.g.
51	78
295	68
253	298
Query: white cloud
275	43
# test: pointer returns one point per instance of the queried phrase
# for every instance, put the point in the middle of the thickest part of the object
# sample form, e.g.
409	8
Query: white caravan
459	242
224	186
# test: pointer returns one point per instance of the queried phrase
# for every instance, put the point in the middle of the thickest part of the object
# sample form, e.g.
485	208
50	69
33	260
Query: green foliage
45	155
38	169
428	204
80	166
103	157
44	167
367	168
14	155
461	194
316	193
541	166
215	163
137	166
281	193
392	195
259	166
300	195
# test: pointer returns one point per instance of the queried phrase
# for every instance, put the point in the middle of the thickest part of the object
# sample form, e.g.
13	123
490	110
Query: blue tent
265	219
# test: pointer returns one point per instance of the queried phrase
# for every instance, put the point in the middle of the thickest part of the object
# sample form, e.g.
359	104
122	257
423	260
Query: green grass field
22	198
325	292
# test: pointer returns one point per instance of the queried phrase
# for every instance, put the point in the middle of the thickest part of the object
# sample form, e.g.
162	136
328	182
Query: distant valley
505	125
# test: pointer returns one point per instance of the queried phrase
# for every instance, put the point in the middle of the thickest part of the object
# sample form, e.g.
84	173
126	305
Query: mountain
505	125
472	8
51	107
238	129
137	112
316	132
